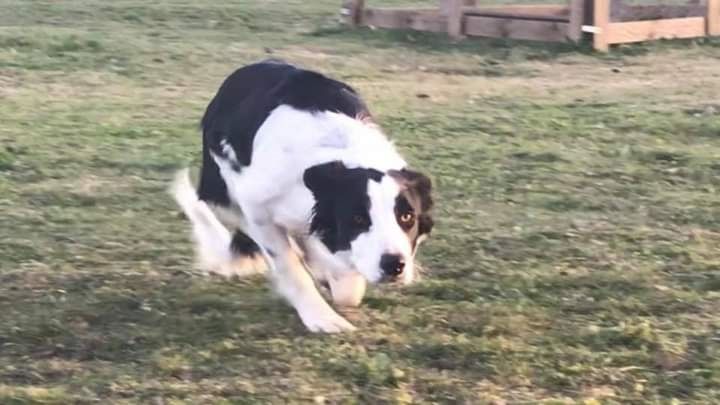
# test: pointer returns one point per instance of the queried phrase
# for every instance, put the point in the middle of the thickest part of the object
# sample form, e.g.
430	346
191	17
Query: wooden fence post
353	11
713	17
577	14
454	18
601	12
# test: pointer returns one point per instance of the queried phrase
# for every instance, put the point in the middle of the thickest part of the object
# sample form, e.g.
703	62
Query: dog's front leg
294	283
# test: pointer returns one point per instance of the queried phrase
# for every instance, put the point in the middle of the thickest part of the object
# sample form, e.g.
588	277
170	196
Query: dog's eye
407	218
360	220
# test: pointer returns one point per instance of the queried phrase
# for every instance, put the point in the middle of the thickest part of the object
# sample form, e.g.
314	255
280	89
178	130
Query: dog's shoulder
307	90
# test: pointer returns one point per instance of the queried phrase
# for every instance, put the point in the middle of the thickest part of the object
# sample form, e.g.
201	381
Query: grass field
576	257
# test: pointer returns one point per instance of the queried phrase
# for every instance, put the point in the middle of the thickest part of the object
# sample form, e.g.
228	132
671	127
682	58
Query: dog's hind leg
247	259
218	250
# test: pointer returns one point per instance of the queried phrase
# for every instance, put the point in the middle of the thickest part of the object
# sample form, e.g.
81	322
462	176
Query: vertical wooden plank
713	17
352	12
601	13
576	20
455	18
357	10
588	11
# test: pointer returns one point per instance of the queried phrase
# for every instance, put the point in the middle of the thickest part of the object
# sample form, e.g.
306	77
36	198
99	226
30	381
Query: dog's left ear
419	185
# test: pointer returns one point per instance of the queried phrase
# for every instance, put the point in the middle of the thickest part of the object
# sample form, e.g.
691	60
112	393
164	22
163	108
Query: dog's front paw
348	289
325	321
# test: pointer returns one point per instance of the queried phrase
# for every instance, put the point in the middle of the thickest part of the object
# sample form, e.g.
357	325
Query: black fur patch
242	245
342	205
245	100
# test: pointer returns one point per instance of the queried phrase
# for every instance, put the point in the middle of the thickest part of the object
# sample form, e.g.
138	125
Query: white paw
348	289
325	321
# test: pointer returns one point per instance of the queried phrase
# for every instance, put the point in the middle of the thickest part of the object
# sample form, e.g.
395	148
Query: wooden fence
608	21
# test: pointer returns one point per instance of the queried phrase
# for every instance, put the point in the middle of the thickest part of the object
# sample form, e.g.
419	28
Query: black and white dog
296	176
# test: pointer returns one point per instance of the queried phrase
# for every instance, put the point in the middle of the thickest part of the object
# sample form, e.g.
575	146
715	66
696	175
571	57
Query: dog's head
371	221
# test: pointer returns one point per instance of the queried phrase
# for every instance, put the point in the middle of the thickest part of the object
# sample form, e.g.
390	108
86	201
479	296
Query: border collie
296	177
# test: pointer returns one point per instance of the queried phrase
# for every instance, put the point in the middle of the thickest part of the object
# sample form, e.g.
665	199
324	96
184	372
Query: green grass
575	260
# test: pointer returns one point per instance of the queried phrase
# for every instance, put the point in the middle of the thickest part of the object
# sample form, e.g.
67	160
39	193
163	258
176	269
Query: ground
575	260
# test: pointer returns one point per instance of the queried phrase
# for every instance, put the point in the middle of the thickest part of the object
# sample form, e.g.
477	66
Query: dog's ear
425	224
320	179
420	186
334	177
417	184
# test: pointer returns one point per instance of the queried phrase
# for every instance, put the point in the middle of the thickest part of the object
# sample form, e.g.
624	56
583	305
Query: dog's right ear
320	179
420	186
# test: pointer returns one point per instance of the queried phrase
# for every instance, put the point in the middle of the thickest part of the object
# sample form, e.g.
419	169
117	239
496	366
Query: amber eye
407	217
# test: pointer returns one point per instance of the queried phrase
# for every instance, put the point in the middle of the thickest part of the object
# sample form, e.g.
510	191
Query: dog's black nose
392	265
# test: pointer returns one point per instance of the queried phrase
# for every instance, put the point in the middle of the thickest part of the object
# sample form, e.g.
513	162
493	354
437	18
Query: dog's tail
218	250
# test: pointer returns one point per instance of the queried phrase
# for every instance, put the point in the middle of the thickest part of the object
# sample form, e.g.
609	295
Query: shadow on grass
125	318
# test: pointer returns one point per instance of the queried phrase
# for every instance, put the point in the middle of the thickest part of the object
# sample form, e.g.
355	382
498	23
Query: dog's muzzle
392	267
